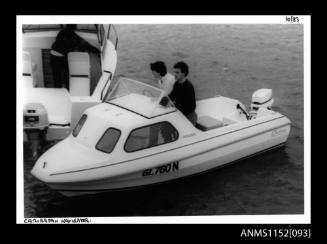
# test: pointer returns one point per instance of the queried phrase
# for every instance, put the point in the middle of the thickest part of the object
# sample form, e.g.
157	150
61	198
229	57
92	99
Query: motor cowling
262	98
36	124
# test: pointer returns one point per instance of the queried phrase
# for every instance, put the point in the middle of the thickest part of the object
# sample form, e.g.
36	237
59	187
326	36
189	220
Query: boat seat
28	76
228	121
79	73
27	80
206	123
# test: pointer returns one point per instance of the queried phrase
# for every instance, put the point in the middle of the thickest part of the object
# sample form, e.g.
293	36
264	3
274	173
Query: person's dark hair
159	67
182	66
71	26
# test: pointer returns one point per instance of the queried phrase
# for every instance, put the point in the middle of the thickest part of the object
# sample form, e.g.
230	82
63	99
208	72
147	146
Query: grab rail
109	78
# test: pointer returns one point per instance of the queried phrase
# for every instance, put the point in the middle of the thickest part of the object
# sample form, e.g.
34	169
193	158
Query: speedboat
54	112
134	139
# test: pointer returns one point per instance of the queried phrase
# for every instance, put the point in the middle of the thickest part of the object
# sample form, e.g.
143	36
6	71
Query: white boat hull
180	167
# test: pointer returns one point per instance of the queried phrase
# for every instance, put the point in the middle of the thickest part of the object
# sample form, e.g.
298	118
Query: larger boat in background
90	75
133	139
53	112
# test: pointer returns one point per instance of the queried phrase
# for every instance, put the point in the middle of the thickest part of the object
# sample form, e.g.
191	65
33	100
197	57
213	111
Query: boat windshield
139	97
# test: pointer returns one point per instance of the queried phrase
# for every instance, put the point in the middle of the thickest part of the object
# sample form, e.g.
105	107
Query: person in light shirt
166	81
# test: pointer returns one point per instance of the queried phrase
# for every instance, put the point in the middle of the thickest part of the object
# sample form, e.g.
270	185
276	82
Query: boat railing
110	35
103	89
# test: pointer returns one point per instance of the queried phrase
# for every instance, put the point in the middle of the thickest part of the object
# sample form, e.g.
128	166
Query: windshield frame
128	90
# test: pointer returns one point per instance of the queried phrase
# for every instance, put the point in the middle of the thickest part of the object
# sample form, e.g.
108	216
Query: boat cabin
133	107
132	115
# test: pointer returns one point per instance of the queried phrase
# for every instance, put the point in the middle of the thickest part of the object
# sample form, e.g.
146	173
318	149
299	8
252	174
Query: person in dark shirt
66	41
183	94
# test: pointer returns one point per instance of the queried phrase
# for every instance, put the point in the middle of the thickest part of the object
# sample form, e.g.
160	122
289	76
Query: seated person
183	94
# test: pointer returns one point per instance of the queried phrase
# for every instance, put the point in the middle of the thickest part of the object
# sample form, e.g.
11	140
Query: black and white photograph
163	119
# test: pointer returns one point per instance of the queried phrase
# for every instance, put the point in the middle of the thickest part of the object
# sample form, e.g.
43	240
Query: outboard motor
261	98
36	124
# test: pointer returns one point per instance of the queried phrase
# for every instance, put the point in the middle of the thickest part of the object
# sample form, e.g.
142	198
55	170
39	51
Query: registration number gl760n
174	166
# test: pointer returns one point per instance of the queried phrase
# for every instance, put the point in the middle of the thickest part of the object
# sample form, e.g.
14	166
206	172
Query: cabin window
108	140
151	136
79	125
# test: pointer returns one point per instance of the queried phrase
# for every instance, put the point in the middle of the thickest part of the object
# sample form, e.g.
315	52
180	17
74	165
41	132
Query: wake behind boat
132	140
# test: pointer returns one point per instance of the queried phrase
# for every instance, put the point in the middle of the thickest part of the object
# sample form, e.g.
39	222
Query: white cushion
79	63
28	81
207	123
28	71
79	86
27	63
79	73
